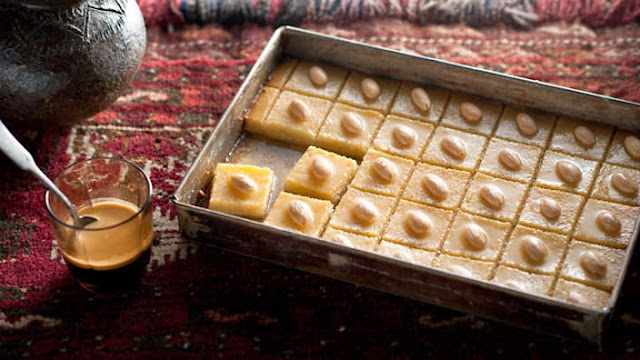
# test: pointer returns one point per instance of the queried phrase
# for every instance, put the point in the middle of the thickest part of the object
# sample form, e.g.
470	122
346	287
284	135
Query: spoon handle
11	147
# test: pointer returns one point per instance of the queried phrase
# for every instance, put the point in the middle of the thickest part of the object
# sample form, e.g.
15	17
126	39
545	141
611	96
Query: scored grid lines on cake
527	193
467	186
470	115
281	72
572	238
400	197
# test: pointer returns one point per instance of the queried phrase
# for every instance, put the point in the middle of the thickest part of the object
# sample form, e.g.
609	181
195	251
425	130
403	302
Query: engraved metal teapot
65	60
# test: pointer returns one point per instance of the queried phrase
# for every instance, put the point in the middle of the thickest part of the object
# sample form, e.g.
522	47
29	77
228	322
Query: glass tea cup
111	253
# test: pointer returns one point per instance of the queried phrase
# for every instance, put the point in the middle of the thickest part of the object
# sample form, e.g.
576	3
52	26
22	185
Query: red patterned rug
202	302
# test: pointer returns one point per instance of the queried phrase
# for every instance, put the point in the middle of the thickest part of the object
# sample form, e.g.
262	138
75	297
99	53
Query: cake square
348	130
492	197
552	210
403	137
362	212
383	174
454	148
351	240
413	106
607	223
405	253
321	174
526	126
475	269
581	294
254	121
534	250
381	91
476	237
618	184
299	213
418	225
625	149
283	125
472	113
577	173
581	138
510	160
280	74
524	281
328	79
593	265
241	190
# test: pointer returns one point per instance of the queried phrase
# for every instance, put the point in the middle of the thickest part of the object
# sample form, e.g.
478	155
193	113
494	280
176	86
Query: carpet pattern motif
198	301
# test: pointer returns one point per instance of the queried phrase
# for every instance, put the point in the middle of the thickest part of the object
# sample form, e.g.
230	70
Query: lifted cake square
321	174
241	190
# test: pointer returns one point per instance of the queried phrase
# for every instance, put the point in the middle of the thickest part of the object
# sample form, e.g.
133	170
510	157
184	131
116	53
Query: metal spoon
11	147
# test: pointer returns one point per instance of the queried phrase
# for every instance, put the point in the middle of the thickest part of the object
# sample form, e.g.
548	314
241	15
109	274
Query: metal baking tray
251	238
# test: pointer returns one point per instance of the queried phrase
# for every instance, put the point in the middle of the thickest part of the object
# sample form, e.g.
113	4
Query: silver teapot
62	61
